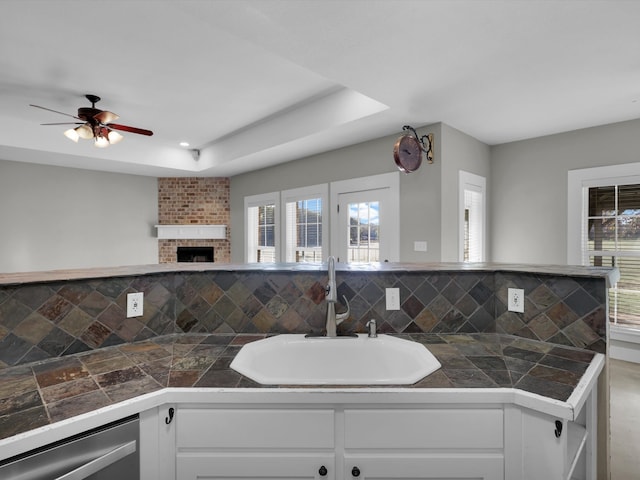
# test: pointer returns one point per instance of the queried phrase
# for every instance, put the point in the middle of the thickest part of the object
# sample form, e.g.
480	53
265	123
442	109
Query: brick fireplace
194	201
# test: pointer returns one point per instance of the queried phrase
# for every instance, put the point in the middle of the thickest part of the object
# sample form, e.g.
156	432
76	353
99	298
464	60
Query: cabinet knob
322	471
355	471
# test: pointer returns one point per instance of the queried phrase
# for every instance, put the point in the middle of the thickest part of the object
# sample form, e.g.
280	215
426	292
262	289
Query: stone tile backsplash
47	320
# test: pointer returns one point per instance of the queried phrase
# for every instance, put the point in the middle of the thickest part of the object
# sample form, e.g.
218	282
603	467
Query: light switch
420	246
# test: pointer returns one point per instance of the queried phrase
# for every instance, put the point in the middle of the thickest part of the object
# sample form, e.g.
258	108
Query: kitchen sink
292	359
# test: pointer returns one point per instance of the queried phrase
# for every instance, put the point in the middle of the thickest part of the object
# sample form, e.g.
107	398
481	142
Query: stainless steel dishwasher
105	453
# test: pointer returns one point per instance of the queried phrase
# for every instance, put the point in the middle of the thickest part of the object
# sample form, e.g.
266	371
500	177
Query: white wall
58	218
419	191
529	188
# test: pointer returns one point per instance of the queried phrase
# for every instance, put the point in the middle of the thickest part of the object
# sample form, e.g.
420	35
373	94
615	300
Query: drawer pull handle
88	469
323	471
355	471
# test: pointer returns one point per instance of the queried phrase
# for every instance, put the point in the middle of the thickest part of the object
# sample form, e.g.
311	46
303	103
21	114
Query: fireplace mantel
192	232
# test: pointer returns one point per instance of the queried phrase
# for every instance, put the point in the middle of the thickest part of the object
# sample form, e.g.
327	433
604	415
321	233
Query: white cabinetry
442	443
331	443
543	446
255	444
369	436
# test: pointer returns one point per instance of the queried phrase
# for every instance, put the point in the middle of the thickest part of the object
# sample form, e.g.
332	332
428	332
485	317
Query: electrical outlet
135	303
393	298
516	300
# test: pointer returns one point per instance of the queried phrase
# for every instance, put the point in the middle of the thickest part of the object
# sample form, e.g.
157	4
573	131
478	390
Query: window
602	230
364	228
612	238
471	217
365	218
305	237
262	239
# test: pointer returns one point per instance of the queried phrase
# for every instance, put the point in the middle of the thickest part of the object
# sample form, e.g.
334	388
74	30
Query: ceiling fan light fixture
101	142
114	137
85	131
72	135
97	125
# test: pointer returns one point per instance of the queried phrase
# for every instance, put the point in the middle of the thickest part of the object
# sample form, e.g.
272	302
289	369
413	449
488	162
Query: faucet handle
372	328
340	317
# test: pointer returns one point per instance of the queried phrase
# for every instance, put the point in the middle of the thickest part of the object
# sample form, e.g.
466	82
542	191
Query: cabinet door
267	466
423	466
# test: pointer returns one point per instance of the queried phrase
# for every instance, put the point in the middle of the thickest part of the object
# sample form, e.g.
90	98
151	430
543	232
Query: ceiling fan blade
62	123
105	117
54	111
126	128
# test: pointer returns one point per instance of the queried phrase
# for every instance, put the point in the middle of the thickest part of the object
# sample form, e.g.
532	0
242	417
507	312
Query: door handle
100	463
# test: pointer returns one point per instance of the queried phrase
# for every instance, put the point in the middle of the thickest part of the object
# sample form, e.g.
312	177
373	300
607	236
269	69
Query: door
365	224
359	217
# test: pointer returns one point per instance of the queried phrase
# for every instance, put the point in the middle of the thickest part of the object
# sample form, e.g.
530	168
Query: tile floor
625	420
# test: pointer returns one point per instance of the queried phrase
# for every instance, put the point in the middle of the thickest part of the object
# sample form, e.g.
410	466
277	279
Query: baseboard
624	344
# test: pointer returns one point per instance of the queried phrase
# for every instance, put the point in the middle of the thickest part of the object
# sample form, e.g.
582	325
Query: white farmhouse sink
297	360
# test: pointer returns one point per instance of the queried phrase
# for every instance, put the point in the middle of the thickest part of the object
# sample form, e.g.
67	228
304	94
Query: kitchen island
72	361
86	390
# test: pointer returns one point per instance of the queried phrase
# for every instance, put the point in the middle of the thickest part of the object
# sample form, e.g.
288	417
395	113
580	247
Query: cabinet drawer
424	429
250	429
271	466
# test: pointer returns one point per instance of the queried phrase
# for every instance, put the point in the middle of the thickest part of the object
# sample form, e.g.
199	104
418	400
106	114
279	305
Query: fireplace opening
195	254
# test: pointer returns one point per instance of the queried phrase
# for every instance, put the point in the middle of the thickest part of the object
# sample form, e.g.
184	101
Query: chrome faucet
331	293
372	328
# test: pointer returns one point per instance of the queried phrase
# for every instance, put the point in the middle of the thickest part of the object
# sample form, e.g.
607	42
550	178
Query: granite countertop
40	394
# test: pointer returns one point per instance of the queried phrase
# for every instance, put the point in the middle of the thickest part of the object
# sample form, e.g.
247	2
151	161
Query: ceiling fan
95	123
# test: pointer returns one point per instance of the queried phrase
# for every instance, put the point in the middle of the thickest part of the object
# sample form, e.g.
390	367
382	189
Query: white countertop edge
473	397
588	381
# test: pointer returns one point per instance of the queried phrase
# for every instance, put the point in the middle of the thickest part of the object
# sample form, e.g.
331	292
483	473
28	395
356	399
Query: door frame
391	226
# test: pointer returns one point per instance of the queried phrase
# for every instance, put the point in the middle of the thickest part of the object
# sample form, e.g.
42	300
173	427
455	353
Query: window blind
304	230
473	223
611	237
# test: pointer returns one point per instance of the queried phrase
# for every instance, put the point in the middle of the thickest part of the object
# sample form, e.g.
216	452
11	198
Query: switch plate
420	246
393	298
516	300
135	303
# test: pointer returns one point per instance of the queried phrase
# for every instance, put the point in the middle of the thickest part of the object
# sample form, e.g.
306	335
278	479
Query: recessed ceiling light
184	144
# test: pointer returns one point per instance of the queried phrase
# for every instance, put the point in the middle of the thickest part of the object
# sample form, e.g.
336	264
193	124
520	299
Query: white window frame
391	226
298	194
578	184
468	181
250	238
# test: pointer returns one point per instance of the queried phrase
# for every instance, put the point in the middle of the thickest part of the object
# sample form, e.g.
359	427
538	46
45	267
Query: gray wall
57	218
54	217
428	197
460	152
419	191
529	188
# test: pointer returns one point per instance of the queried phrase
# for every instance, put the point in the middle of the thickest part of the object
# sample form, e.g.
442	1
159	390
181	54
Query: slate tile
581	302
539	386
77	405
12	349
468	378
19	402
59	371
23	421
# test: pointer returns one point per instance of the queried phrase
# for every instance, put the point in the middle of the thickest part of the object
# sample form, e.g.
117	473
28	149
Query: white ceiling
258	82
